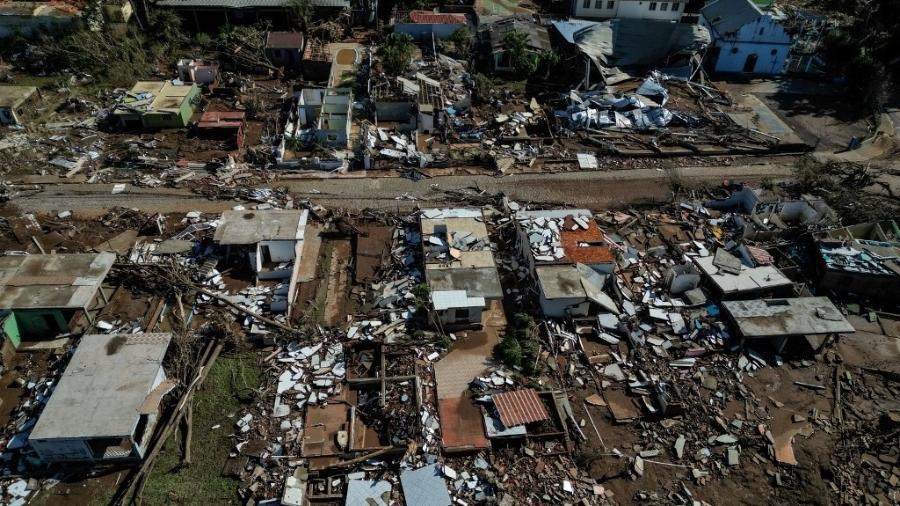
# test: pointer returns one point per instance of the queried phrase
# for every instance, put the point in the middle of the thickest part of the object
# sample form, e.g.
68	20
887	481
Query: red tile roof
520	407
436	18
594	253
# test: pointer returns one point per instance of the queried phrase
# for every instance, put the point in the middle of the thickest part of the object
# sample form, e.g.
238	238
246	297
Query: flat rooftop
102	391
52	281
251	227
787	317
763	277
13	96
158	96
560	281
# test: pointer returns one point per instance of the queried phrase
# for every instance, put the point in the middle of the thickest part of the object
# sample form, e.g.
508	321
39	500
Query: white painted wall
765	38
633	9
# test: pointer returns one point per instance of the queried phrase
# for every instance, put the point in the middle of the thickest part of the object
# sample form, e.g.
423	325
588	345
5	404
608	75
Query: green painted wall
171	120
11	329
40	323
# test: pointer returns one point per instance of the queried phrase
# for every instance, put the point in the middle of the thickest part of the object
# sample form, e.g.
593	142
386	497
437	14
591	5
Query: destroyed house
428	25
744	38
610	45
459	264
732	277
106	405
321	115
568	258
47	295
780	319
491	33
284	49
157	104
271	239
862	259
227	126
16	102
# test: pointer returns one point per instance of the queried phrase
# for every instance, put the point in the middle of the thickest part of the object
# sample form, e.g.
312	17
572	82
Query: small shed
16	102
45	293
284	49
106	405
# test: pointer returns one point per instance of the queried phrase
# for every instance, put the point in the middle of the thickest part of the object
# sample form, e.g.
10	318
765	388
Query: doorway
750	63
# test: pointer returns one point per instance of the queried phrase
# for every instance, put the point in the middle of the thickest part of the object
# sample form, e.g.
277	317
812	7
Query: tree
462	40
522	59
301	12
396	52
863	46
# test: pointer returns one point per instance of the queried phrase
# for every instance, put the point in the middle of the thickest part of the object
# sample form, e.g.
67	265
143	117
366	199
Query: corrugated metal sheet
728	16
520	407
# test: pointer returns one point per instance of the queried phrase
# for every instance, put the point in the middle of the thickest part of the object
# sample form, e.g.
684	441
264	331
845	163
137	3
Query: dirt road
587	189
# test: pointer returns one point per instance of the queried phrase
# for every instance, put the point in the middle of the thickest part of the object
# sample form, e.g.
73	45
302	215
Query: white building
272	241
106	404
628	9
459	264
744	38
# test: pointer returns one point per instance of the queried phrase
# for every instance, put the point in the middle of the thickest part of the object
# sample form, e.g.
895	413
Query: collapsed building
862	259
459	264
568	259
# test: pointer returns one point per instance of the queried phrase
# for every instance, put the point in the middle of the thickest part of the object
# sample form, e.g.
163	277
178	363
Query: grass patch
323	271
231	381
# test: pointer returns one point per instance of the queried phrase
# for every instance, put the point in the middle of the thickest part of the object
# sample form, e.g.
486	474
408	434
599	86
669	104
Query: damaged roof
749	279
628	42
458	253
520	407
565	236
425	487
728	16
102	391
538	37
52	281
13	96
787	317
253	226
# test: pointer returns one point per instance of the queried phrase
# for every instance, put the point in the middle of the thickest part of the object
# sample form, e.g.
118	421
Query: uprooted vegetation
854	190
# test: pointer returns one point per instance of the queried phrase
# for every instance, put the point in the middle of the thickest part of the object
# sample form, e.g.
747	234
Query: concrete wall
26	25
36	323
631	9
449	317
55	450
765	38
423	32
560	308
